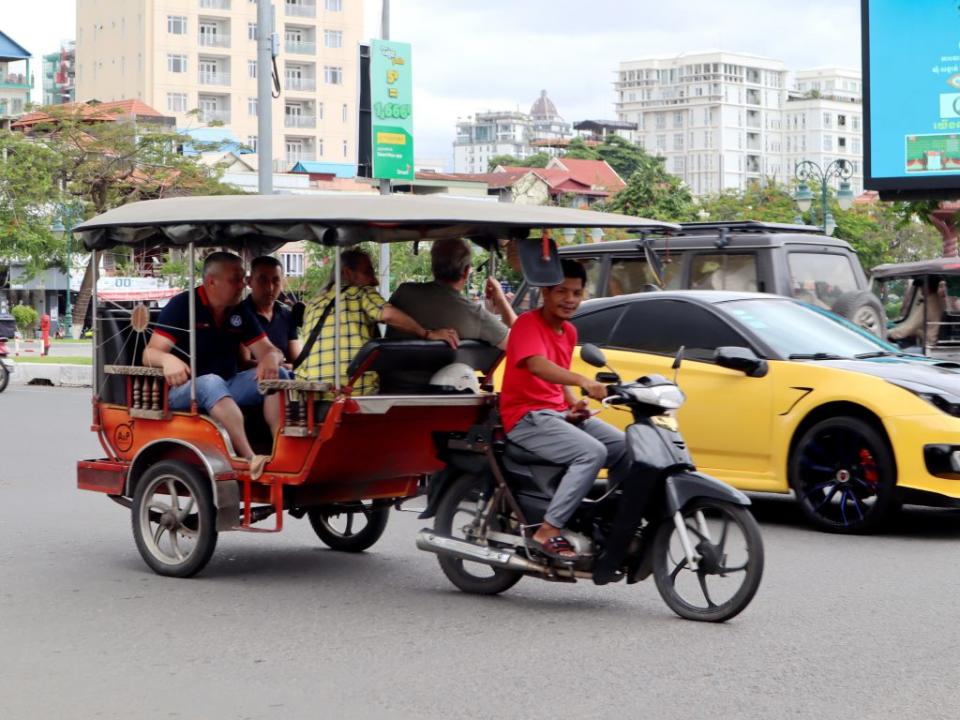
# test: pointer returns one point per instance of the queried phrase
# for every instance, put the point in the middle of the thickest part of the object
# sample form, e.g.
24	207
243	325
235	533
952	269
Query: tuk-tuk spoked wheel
174	519
4	377
350	526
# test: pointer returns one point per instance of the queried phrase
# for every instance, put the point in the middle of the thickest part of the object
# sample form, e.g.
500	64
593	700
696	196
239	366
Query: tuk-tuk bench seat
391	358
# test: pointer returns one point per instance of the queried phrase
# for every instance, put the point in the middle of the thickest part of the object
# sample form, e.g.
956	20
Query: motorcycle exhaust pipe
443	545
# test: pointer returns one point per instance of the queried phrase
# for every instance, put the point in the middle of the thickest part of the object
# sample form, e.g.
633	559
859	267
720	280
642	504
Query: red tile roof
92	112
595	173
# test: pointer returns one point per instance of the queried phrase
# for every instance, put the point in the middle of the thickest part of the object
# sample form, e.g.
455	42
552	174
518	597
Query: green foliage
538	160
25	317
651	192
623	156
579	150
769	203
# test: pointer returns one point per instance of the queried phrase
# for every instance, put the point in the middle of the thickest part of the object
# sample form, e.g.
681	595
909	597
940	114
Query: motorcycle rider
541	413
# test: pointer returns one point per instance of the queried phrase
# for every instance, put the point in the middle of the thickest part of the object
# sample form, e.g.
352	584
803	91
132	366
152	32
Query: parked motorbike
697	539
6	364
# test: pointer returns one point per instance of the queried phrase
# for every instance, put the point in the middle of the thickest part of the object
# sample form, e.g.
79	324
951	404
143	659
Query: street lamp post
808	170
64	223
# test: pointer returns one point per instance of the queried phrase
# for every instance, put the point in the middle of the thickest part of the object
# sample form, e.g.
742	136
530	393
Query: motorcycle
697	537
7	328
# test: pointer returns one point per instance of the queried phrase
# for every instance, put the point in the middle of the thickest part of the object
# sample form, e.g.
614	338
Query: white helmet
459	376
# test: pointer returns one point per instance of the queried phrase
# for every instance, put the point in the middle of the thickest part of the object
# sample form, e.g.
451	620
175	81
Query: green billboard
391	95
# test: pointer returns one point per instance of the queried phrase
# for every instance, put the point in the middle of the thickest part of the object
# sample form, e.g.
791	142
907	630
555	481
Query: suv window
724	272
662	326
820	278
596	327
630	275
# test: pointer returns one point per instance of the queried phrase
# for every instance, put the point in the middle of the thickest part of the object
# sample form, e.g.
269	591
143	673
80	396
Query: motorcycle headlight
941	399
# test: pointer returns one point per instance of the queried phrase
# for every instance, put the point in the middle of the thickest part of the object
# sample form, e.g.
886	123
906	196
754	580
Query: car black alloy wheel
843	474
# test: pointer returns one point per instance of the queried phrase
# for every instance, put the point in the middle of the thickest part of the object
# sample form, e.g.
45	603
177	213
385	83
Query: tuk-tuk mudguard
682	487
224	488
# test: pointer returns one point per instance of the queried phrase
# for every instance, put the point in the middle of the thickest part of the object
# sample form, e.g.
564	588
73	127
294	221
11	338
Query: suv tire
864	310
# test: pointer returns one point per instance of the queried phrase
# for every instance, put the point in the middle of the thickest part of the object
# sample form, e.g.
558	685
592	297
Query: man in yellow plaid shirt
361	308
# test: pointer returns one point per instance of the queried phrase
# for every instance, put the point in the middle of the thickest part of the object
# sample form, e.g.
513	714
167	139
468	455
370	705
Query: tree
767	203
537	160
652	192
622	155
579	150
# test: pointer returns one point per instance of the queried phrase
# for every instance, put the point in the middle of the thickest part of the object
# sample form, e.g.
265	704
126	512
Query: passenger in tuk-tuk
926	311
276	319
362	307
223	324
441	303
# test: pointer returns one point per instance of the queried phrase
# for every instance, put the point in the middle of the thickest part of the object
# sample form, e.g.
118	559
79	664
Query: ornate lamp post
809	170
63	223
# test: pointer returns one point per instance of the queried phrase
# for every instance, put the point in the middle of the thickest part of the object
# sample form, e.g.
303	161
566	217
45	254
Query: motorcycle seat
522	456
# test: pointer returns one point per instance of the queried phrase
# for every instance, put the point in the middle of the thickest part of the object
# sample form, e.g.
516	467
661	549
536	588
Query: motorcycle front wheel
4	377
727	540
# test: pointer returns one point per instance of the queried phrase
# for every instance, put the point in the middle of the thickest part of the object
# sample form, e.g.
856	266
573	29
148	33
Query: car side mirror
742	359
592	355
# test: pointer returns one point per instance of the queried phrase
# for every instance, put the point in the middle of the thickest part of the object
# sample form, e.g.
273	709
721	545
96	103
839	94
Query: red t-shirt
523	391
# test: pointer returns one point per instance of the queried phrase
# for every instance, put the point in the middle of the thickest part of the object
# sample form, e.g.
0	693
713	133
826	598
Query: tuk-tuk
8	329
922	304
341	462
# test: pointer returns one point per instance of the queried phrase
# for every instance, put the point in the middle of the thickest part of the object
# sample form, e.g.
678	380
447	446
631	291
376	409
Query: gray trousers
584	448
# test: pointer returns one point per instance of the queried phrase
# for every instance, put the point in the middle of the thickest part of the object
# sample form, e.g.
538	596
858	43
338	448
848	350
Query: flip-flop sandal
553	548
257	463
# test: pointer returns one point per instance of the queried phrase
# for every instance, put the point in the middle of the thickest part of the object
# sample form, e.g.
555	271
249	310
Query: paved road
278	627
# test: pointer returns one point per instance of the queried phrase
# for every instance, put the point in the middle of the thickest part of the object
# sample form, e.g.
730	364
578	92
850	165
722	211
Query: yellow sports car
781	396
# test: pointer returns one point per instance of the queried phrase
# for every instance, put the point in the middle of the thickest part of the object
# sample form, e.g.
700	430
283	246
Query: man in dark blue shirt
276	319
223	325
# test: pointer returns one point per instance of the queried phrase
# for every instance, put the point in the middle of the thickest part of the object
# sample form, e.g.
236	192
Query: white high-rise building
183	55
716	117
725	120
488	134
823	122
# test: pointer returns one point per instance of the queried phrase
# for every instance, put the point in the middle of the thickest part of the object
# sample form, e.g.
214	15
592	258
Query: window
333	75
345	148
343	113
662	326
177	63
820	278
661	121
332	38
827	142
294	150
678	119
252	142
597	327
334	5
292	264
177	24
251	31
251	106
252	68
856	122
678	141
827	120
176	102
724	272
632	275
855	146
319	111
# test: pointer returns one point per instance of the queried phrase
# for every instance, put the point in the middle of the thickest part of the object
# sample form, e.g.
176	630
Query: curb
60	375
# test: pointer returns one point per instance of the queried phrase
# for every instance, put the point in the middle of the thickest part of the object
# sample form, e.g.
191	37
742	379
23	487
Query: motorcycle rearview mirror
592	355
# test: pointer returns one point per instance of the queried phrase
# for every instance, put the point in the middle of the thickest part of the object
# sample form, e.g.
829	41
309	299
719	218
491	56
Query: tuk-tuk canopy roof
264	222
937	266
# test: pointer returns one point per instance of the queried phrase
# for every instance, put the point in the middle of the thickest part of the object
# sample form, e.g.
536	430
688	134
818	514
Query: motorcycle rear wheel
733	564
454	515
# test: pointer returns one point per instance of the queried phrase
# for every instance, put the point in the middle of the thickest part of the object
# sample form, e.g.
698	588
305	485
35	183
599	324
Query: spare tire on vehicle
863	309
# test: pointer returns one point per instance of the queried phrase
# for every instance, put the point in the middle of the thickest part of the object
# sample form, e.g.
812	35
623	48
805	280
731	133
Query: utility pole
385	182
264	96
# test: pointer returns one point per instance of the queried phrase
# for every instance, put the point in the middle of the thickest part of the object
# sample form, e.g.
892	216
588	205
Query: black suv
794	260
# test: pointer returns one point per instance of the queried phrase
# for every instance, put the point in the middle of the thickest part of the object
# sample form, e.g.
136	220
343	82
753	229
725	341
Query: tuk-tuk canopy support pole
192	304
94	261
384	182
336	318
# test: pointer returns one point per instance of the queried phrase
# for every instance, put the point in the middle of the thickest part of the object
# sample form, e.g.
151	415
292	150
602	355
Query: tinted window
662	326
631	275
820	278
724	272
596	327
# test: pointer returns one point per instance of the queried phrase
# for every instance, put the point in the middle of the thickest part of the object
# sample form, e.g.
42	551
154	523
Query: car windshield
793	330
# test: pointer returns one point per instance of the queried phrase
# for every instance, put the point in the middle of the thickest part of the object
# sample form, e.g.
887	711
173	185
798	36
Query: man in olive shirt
442	301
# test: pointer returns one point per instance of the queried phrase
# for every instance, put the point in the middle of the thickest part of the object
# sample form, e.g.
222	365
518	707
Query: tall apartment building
16	80
823	121
716	117
59	75
488	134
181	55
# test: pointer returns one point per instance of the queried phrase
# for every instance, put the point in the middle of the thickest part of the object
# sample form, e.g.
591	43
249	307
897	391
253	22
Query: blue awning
341	170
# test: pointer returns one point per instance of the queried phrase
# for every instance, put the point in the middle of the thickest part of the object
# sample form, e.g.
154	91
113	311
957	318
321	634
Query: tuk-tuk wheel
350	527
174	519
4	377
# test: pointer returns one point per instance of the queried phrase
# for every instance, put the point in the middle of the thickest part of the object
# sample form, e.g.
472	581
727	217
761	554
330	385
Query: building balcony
16	81
220	41
301	47
209	116
214	78
301	9
215	4
301	84
300	121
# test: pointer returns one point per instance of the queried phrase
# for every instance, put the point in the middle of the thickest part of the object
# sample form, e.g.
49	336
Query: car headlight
941	399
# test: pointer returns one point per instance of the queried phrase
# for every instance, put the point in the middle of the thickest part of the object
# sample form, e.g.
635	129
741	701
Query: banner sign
391	88
125	289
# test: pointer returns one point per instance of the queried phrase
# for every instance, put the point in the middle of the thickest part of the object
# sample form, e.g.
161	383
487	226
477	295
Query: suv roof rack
743	226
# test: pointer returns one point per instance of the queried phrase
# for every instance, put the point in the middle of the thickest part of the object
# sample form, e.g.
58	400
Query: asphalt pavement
277	626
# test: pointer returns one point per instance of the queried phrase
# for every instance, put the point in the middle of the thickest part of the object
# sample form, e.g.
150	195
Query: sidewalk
65	375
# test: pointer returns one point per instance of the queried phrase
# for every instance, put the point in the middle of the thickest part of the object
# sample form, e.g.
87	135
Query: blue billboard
911	66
